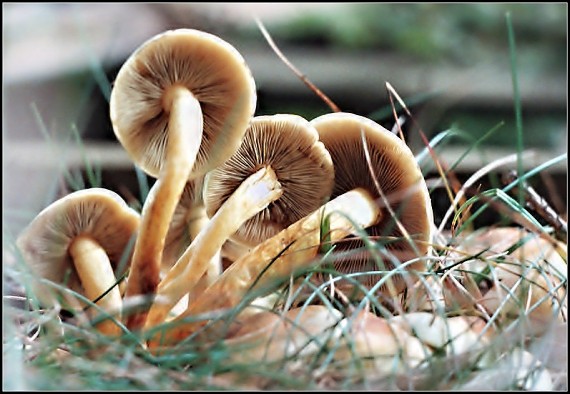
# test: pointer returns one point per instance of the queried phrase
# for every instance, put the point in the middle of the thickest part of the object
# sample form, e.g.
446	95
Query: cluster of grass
48	349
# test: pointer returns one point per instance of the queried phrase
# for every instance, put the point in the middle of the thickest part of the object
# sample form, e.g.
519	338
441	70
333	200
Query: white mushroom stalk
180	105
188	220
214	269
252	196
97	276
347	213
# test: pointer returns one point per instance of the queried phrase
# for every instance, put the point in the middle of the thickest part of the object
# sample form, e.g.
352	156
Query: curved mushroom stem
212	273
96	274
197	220
181	152
251	197
214	270
348	212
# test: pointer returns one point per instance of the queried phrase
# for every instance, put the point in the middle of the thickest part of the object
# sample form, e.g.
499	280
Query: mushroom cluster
265	193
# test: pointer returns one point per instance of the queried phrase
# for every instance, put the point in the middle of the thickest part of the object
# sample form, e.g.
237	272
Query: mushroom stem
251	197
215	265
198	219
96	274
348	212
212	273
182	149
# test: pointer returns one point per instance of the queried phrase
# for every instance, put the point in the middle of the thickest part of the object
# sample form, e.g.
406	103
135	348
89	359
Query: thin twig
538	204
441	167
298	73
474	178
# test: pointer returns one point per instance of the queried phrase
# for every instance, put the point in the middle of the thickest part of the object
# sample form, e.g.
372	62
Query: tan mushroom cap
96	213
400	180
289	145
210	68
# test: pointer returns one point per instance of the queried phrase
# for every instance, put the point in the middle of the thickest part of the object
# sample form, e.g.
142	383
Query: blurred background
450	64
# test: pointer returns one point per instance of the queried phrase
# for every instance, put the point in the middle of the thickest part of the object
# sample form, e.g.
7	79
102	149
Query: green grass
50	350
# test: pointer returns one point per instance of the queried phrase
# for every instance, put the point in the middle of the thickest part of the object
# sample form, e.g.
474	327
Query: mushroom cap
381	346
99	213
214	72
289	145
190	208
401	180
270	337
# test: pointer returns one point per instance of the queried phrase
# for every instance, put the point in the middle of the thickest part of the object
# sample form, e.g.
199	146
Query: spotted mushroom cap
99	213
214	72
399	177
290	146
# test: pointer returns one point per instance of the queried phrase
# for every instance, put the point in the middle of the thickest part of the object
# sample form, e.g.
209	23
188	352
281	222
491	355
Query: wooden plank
110	155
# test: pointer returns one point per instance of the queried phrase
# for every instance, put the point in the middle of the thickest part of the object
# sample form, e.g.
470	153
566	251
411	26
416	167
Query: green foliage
464	32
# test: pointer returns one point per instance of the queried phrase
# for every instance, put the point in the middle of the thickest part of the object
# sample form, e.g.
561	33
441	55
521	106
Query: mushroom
454	335
188	220
231	251
180	105
290	146
376	343
286	148
394	179
269	337
280	256
526	274
405	341
260	188
82	237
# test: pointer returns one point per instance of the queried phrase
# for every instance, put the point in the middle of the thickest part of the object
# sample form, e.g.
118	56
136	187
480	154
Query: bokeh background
450	63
